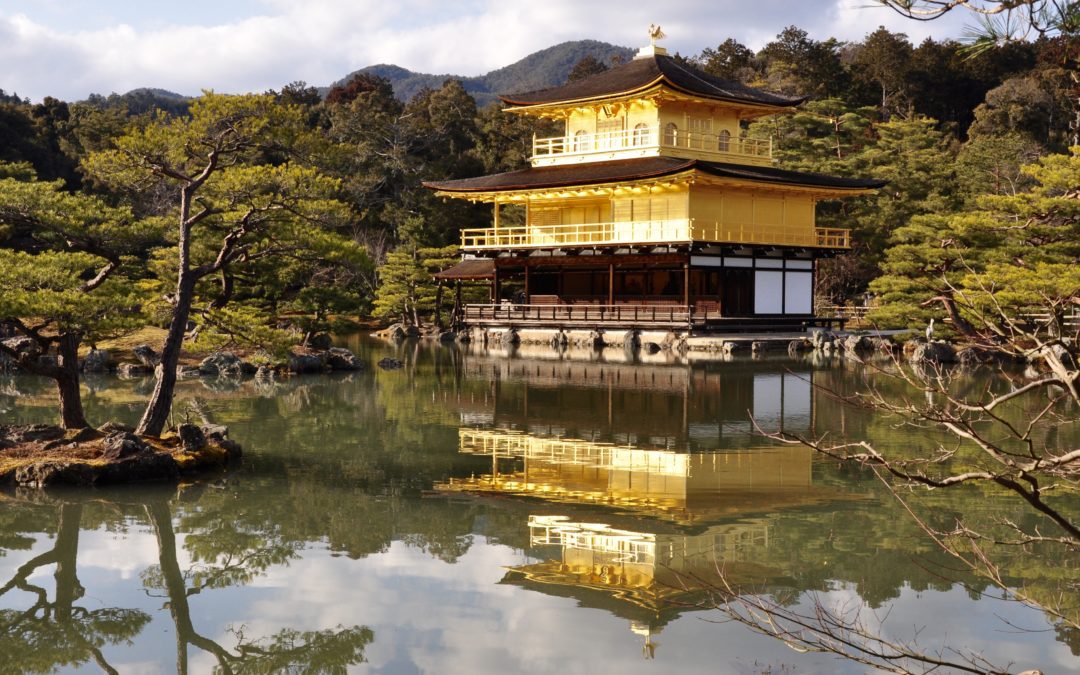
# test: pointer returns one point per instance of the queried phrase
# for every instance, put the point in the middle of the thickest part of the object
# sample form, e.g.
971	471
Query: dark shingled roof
647	167
483	268
642	73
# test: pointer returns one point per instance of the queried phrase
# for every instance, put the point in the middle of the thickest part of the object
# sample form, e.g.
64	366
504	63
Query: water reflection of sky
378	479
433	617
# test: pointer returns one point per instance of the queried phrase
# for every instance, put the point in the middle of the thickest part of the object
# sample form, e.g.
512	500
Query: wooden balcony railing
650	138
650	232
579	315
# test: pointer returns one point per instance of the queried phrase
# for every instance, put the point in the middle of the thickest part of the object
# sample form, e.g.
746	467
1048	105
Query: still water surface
477	513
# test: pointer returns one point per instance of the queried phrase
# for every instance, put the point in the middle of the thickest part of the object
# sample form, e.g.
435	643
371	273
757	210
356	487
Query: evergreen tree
68	290
240	172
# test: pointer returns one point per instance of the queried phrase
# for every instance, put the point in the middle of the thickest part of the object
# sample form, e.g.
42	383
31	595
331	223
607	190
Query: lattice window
724	142
642	134
671	134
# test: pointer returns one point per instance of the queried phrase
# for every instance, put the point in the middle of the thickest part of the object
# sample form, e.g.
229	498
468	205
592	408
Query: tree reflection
225	563
51	634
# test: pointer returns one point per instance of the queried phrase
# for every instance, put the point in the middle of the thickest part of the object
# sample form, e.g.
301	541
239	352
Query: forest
297	209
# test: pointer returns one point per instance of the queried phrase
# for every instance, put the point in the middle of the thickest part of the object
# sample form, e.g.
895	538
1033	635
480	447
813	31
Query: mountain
142	100
545	68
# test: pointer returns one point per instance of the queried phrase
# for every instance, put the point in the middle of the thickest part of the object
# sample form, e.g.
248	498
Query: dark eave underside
640	73
594	173
469	269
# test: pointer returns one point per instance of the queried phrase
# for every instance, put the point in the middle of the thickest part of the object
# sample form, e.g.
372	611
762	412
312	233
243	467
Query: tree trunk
157	410
67	383
68	588
176	587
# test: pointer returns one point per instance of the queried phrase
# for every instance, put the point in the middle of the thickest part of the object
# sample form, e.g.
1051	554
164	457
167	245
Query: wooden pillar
526	300
455	314
686	284
438	304
611	284
495	286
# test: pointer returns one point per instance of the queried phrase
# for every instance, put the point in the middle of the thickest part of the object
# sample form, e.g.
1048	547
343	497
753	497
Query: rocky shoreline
323	358
43	455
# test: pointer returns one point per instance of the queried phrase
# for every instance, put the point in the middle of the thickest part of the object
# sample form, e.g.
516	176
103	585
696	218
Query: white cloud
319	41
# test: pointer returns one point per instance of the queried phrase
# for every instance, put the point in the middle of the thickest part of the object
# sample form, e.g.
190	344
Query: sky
71	48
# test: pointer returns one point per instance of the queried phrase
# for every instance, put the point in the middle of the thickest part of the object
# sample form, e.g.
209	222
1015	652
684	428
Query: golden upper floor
651	106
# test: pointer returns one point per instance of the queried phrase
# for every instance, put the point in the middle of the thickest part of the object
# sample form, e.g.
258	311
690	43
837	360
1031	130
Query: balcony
678	231
650	141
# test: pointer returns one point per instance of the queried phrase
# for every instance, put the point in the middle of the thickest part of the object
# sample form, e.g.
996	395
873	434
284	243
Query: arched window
582	141
671	134
724	142
641	134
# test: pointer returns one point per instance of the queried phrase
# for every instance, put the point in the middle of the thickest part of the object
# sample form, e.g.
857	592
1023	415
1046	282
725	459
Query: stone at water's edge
191	437
390	364
225	364
146	355
339	358
934	352
307	363
97	361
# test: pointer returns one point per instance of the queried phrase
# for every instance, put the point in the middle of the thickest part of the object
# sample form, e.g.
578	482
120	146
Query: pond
484	512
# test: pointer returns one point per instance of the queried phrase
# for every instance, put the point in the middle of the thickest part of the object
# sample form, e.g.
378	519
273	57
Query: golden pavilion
652	210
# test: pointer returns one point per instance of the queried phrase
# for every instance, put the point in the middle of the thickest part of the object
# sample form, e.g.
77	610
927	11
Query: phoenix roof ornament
655	34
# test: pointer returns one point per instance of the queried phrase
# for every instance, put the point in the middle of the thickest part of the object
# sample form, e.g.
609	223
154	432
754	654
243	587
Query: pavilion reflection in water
655	489
676	406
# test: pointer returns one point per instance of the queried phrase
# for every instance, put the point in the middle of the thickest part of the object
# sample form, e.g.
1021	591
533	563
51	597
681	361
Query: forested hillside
545	68
950	130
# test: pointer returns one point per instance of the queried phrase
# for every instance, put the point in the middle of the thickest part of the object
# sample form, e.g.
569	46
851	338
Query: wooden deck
633	316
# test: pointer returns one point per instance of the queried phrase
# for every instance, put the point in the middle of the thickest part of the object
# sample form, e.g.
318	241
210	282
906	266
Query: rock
595	340
48	361
112	427
225	364
395	332
448	336
1060	353
339	358
796	347
651	348
509	338
631	341
883	345
320	342
97	361
264	372
146	355
188	372
412	332
191	437
43	474
22	345
130	370
463	337
30	433
670	338
390	364
856	345
307	363
758	346
934	352
215	432
730	348
820	338
122	444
